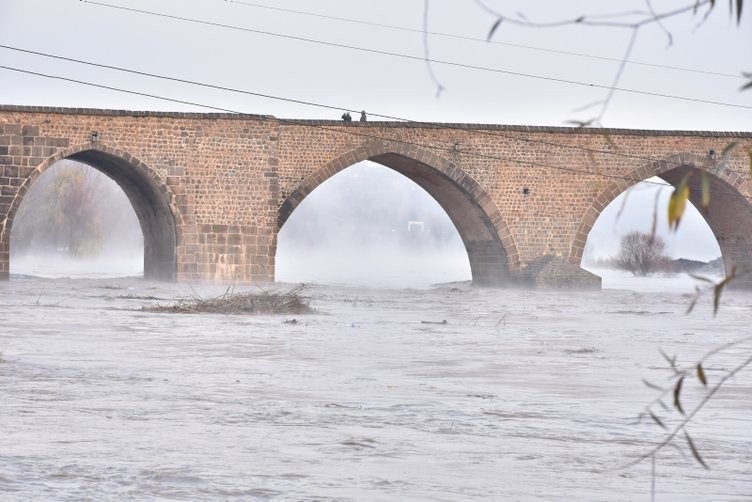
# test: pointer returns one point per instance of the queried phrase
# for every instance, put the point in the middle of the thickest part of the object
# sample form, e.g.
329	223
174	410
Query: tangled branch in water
263	302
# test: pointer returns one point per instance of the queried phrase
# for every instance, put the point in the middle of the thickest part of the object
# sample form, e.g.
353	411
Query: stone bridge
211	190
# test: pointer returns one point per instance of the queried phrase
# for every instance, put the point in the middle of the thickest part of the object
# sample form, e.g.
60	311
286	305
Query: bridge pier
553	272
211	190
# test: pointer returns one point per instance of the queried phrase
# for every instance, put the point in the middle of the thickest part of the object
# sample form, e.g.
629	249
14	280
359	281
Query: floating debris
584	350
263	302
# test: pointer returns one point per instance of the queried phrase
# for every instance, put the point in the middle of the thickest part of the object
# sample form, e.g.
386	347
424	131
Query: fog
634	210
353	229
76	221
369	225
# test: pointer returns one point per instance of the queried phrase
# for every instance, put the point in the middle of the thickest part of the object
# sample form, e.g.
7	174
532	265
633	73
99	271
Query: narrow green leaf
609	140
623	203
718	289
705	191
739	4
701	375
579	124
651	385
717	297
657	420
701	278
693	303
654	226
677	203
695	453
592	160
677	393
493	29
748	85
727	149
669	360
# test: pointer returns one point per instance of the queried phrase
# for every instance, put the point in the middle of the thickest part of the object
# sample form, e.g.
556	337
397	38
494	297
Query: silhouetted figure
346	117
363	116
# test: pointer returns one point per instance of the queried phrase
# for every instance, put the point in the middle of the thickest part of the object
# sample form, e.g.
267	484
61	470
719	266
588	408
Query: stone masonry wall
228	181
217	172
549	184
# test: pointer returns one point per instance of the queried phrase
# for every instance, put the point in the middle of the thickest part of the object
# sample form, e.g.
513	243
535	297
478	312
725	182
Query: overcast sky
349	78
516	79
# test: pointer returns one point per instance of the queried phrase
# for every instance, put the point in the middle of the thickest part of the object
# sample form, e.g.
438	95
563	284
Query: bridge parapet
220	185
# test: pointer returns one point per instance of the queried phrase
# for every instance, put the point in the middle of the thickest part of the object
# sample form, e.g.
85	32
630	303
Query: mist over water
386	392
369	225
518	395
55	265
635	210
75	221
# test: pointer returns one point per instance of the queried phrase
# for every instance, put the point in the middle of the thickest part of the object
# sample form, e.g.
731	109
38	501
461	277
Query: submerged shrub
262	302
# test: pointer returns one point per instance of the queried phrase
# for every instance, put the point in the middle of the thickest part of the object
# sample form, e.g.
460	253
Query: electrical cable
352	132
325	106
486	41
111	88
418	58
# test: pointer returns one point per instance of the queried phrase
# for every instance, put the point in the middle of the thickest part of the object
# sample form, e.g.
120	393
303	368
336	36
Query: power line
354	132
173	79
485	41
417	58
118	89
318	105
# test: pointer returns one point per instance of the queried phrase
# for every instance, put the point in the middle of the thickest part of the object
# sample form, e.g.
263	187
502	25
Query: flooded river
444	393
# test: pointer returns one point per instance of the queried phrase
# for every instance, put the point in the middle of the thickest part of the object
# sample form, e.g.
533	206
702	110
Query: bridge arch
490	246
729	217
152	201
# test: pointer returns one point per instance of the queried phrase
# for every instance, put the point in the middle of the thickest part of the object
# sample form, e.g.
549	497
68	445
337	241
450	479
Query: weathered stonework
552	272
212	190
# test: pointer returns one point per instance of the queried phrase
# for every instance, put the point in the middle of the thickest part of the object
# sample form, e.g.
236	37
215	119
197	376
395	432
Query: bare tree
75	209
642	254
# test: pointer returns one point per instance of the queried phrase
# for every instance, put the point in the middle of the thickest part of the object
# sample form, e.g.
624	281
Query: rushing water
520	395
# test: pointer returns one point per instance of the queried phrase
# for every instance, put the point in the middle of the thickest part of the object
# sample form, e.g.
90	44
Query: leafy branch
748	85
680	376
717	288
426	55
648	17
611	20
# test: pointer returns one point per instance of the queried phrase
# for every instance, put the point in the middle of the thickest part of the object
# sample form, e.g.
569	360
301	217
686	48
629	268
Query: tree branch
593	20
426	55
617	77
682	425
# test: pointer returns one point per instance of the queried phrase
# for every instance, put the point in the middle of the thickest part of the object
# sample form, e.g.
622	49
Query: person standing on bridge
363	116
346	117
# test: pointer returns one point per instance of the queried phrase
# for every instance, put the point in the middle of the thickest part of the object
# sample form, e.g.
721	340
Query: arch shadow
729	217
491	249
152	201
